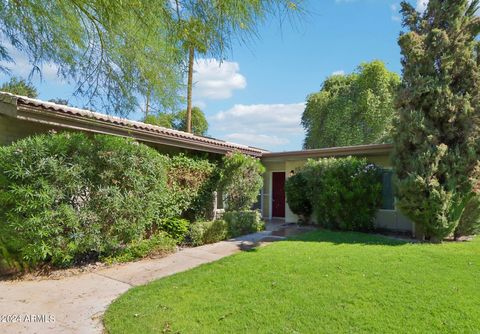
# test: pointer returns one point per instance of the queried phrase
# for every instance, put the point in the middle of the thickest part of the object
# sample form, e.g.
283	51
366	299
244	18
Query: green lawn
321	282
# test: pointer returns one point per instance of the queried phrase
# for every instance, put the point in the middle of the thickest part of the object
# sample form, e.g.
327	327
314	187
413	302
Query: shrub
345	192
69	197
176	228
191	183
159	243
207	232
243	222
295	189
470	220
437	133
241	180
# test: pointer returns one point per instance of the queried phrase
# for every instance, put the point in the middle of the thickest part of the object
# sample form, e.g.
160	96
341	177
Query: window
388	198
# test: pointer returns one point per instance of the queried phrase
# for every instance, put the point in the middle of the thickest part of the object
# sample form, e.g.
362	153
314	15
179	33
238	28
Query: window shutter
388	198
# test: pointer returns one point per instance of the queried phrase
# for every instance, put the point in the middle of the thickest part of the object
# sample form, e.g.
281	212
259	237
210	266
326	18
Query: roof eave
362	150
52	118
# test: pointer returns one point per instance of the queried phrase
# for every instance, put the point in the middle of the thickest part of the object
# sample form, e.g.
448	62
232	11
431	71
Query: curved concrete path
78	302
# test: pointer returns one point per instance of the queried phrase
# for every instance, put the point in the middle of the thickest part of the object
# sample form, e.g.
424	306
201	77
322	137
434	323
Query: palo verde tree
352	109
110	50
437	134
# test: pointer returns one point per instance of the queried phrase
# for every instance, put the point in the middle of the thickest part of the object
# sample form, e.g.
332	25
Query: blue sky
256	95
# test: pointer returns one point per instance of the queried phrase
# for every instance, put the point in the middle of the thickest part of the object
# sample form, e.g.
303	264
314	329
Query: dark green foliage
199	122
437	134
162	119
243	222
157	244
241	180
67	198
345	192
191	182
19	86
176	228
207	232
177	121
469	223
352	109
295	189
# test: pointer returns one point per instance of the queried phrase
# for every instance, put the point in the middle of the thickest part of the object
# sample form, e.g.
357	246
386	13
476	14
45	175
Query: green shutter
388	198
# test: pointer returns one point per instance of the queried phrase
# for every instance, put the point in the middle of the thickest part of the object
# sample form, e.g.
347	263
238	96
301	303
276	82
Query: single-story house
281	165
22	116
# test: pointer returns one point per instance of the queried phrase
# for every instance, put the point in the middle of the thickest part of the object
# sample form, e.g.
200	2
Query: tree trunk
147	104
191	57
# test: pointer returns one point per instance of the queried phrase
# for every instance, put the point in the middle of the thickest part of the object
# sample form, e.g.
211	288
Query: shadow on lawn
340	237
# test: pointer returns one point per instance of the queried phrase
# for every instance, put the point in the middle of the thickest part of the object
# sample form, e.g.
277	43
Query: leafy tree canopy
19	86
117	51
352	109
437	137
177	121
109	49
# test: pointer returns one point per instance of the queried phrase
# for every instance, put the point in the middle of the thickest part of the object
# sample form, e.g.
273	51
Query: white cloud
340	72
216	81
265	125
422	5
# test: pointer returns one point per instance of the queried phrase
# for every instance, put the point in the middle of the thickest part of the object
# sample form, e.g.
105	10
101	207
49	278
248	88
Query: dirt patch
49	273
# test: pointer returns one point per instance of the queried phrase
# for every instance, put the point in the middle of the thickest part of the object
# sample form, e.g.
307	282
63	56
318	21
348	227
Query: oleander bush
300	204
345	192
207	232
67	198
241	180
243	222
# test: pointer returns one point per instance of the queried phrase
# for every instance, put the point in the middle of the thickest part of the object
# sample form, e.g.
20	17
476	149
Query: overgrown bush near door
241	181
345	192
295	190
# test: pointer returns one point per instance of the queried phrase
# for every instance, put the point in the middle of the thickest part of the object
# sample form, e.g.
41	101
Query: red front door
278	194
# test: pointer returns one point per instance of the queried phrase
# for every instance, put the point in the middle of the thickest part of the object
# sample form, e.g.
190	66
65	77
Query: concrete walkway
77	303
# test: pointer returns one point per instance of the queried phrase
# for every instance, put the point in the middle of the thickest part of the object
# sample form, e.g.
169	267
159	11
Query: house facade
22	116
281	165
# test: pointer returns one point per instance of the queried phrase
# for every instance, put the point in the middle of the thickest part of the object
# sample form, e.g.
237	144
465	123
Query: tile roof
23	101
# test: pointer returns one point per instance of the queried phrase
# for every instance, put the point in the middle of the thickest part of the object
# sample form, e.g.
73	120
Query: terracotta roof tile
50	106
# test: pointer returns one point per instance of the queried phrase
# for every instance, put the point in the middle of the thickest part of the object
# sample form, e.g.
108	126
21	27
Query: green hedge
345	193
68	197
243	222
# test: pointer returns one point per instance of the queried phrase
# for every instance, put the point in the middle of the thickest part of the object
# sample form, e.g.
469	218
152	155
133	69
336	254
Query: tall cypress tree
437	134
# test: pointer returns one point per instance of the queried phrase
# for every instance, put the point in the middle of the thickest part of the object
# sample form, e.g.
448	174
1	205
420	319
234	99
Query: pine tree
437	134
